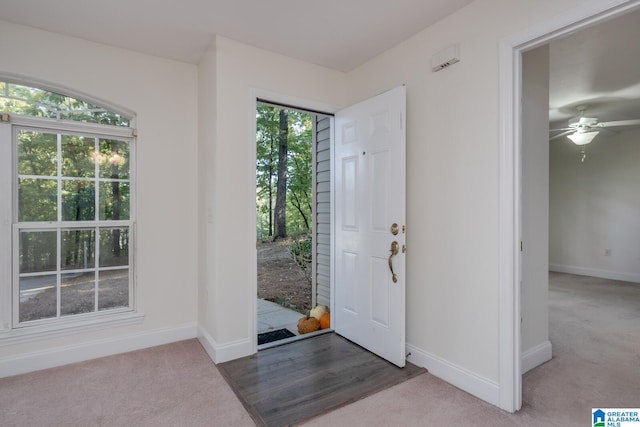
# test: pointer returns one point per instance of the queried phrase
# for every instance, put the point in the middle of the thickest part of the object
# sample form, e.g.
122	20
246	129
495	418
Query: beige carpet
169	385
595	331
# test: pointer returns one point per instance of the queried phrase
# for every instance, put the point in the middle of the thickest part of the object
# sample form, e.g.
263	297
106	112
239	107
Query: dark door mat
286	385
277	335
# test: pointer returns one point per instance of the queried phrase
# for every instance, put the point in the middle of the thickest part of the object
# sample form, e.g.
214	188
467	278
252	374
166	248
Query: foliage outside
70	178
301	252
299	170
32	101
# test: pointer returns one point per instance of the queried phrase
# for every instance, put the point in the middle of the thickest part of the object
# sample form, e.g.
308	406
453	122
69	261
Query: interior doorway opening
568	262
512	159
290	218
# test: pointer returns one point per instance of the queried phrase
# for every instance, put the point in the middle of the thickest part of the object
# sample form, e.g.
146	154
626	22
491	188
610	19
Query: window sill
75	326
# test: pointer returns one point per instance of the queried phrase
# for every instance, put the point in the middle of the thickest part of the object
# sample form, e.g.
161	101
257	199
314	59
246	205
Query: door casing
510	168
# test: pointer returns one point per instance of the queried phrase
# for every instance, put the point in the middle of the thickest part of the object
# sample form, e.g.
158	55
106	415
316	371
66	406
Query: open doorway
512	160
579	201
289	217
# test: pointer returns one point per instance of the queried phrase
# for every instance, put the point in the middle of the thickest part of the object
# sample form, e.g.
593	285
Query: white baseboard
535	356
462	378
220	353
58	356
594	272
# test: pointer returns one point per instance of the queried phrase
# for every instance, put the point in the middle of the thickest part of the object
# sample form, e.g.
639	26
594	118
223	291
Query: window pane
114	200
38	251
37	298
37	199
78	200
114	159
113	289
114	246
92	114
36	102
29	101
77	293
78	249
78	154
37	153
25	92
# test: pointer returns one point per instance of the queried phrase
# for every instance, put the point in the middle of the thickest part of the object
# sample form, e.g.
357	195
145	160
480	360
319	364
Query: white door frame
278	98
511	49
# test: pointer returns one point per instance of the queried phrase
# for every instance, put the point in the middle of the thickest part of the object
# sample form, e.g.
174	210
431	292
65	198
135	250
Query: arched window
69	164
32	101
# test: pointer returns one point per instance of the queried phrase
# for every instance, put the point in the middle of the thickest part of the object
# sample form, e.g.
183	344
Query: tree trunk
296	203
271	190
281	188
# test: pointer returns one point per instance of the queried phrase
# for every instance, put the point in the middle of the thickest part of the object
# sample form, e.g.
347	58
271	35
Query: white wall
595	206
453	188
535	344
163	94
227	125
452	174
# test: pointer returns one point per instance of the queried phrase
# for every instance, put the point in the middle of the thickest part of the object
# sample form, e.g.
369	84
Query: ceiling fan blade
567	132
561	129
635	122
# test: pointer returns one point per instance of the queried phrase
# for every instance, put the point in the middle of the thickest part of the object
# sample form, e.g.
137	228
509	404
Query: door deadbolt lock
395	229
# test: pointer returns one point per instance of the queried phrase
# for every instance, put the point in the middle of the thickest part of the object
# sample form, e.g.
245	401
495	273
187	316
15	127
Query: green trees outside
283	144
85	174
86	169
31	101
73	195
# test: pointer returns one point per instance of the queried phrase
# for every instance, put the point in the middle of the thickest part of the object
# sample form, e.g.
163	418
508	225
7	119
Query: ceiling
337	34
598	67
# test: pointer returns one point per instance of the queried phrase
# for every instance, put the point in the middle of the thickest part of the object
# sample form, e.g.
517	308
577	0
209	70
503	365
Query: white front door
369	167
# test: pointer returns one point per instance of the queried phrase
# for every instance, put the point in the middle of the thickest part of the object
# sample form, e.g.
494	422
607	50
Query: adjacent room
129	200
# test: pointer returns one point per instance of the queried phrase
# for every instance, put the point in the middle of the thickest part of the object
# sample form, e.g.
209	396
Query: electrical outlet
607	252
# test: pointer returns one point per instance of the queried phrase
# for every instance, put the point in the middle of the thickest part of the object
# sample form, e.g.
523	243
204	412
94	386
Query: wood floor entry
286	385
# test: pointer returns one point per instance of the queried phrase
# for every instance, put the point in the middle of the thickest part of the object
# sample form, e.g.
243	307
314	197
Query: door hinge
520	245
134	132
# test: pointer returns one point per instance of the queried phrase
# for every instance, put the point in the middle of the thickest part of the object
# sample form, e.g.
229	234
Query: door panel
370	197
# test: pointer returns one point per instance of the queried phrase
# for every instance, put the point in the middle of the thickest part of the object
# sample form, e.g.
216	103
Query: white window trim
6	176
89	129
11	334
71	326
62	90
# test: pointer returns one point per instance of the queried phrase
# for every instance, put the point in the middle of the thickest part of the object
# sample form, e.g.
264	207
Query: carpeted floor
595	331
170	385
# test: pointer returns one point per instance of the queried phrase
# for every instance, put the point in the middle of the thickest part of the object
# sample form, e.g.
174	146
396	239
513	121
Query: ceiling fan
582	131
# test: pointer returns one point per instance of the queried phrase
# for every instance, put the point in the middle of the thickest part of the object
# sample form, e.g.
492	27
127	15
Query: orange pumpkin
308	324
325	321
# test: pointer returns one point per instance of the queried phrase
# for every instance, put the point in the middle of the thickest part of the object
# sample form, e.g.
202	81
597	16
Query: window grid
97	225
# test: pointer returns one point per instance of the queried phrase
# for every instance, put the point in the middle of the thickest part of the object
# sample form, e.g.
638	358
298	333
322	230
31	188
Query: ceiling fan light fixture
582	138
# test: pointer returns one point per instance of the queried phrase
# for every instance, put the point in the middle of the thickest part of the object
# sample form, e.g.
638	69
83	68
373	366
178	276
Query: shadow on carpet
293	383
